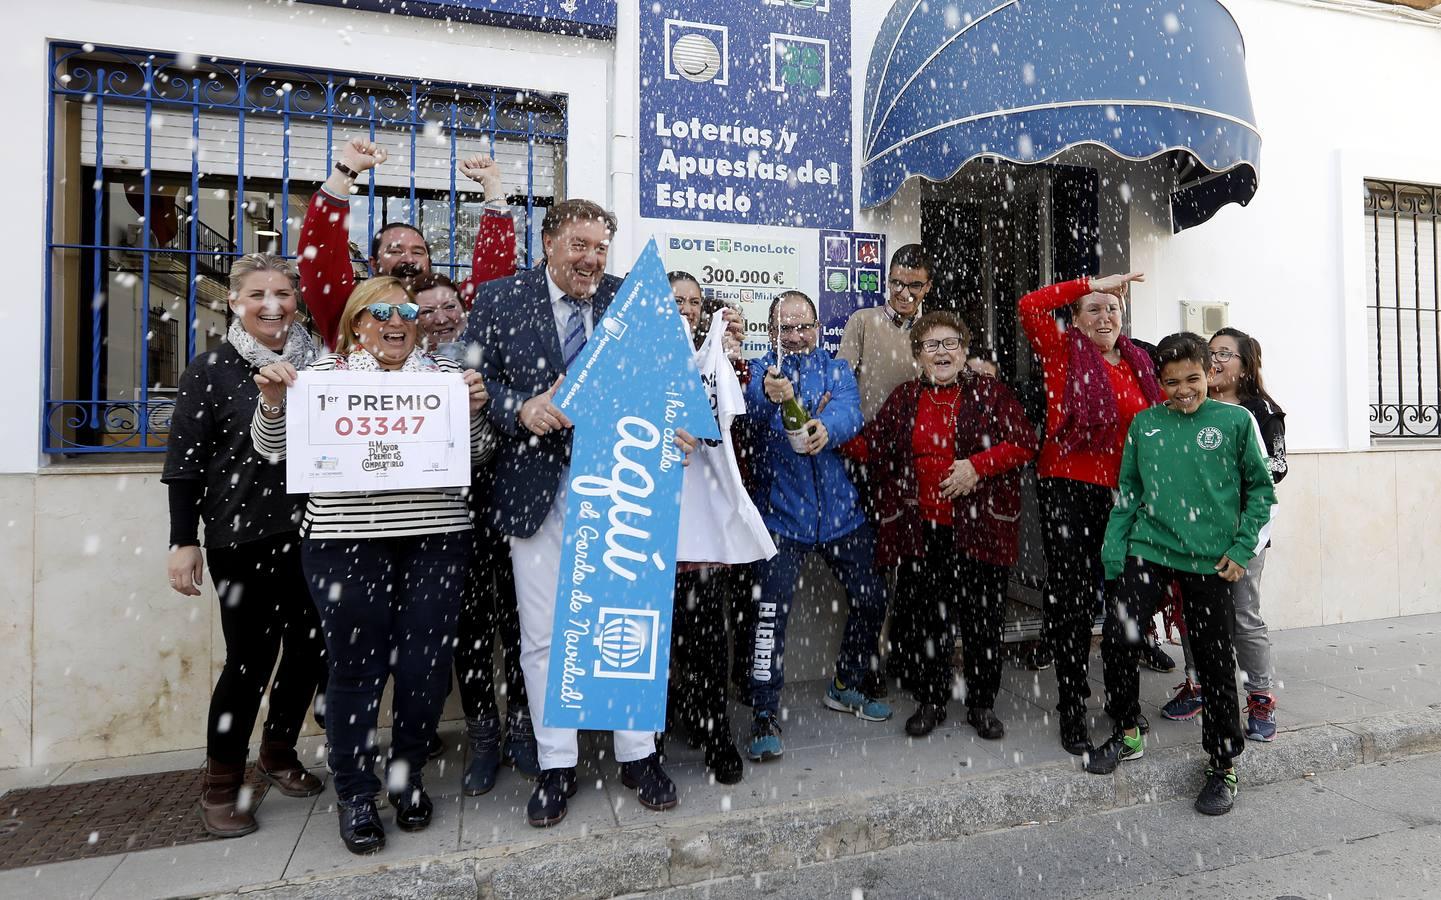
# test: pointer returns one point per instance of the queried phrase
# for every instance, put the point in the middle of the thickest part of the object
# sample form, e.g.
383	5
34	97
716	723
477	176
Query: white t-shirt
718	521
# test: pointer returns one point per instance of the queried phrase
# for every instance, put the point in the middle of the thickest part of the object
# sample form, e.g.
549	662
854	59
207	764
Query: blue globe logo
622	642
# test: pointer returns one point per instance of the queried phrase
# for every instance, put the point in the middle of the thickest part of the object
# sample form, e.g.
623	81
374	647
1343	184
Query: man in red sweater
398	248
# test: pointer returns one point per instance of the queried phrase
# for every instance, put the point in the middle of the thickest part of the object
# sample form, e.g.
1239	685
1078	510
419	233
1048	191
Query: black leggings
489	612
1073	527
699	656
264	606
937	595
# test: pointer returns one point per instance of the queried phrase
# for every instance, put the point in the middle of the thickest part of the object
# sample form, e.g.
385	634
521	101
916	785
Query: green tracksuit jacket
1193	488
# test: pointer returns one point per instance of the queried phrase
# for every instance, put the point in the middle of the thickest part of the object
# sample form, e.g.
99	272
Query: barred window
1403	272
165	167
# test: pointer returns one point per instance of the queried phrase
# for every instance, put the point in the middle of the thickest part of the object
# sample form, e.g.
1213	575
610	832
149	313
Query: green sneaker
1118	748
1219	793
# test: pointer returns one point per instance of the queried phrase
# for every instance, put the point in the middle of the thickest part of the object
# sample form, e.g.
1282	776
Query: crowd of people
899	462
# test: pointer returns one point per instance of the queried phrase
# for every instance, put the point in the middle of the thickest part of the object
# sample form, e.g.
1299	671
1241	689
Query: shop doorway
998	230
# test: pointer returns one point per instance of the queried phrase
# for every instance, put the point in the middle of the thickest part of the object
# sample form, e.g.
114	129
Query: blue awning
1024	80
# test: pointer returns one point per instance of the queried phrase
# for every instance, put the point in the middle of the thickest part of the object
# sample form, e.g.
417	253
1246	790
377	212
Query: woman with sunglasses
386	571
945	454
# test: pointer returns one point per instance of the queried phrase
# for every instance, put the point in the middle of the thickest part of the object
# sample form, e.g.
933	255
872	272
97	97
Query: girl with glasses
1236	378
386	571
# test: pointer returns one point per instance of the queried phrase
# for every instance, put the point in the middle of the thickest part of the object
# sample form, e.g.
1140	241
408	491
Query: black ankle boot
360	826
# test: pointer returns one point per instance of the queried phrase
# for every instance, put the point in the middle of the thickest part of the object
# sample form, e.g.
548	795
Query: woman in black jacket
252	534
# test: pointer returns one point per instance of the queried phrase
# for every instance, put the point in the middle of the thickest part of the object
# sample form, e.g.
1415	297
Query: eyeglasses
932	345
915	287
802	328
1222	356
381	311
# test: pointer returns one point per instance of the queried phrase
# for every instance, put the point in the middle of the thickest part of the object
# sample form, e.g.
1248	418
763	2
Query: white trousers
536	561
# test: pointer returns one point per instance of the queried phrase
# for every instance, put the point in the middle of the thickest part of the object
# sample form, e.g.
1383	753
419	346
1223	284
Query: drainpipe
625	91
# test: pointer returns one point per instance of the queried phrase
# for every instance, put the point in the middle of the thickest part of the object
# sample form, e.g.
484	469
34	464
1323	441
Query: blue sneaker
1187	704
843	699
765	738
1261	716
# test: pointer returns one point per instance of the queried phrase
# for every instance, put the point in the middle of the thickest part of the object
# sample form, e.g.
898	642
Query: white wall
1338	97
297	34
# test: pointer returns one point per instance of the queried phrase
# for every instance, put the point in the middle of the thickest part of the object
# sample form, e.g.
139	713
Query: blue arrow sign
634	385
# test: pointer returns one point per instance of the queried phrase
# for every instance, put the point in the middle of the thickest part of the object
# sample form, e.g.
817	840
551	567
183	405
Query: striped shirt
378	514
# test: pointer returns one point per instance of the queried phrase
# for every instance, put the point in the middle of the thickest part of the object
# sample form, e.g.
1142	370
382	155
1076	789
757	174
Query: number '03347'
378	426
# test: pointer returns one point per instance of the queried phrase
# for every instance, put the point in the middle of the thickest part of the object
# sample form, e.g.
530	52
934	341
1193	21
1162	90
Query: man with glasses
398	248
810	506
877	340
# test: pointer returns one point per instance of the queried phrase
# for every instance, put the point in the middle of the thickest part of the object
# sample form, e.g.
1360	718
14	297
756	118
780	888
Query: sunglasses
381	311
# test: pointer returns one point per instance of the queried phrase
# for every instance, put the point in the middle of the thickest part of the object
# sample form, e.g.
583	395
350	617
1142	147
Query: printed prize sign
745	112
744	273
390	431
632	388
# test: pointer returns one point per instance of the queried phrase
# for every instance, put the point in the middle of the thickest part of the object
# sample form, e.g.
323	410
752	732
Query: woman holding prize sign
386	571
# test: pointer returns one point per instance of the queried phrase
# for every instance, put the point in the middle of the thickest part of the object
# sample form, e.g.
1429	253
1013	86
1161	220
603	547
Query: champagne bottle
793	419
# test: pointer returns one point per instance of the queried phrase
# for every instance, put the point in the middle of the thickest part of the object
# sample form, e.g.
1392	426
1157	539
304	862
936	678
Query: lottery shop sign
745	112
359	431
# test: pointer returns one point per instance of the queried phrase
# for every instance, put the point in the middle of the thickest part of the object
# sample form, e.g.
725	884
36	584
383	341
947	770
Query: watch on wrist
347	171
271	410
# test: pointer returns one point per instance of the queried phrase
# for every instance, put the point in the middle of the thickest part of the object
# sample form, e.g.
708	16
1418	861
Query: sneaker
765	738
1156	659
1261	716
519	749
852	700
652	786
1187	703
1117	749
1219	794
547	804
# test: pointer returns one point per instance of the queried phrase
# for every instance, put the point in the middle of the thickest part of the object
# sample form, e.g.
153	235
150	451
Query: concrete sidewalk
1349	694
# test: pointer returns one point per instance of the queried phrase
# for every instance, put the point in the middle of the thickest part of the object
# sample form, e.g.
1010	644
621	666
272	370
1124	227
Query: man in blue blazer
528	329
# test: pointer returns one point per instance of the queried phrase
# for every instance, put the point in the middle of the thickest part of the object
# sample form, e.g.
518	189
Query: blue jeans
389	608
852	559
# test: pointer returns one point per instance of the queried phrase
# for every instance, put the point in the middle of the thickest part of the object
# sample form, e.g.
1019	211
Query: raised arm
326	275
494	253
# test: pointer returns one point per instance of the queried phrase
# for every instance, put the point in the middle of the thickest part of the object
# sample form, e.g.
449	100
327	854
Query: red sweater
1049	341
988	427
326	275
933	442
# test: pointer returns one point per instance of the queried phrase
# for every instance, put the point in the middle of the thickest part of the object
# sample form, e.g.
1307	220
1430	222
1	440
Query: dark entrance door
998	231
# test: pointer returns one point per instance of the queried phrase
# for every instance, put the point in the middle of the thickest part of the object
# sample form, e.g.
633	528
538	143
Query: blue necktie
574	332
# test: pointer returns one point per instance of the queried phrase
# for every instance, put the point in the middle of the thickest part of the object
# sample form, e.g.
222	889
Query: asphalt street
1372	831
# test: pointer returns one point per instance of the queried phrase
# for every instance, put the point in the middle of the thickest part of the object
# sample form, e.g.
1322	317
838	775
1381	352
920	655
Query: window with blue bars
165	167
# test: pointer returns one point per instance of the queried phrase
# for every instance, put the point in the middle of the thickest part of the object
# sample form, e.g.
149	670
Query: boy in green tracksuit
1194	506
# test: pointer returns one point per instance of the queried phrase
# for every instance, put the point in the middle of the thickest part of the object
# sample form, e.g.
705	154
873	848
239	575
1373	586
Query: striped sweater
378	514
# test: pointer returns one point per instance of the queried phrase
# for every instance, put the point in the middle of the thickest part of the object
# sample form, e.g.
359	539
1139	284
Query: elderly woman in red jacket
1096	382
946	451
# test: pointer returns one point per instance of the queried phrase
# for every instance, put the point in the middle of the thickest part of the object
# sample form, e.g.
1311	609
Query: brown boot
220	808
280	765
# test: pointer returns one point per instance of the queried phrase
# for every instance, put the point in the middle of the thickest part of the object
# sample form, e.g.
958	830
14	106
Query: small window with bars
165	167
1403	274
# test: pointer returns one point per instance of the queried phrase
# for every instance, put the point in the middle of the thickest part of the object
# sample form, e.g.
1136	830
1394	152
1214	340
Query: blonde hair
370	291
250	263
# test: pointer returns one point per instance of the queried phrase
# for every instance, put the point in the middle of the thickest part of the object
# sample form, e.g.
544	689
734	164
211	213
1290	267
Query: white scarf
361	361
300	350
